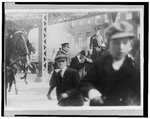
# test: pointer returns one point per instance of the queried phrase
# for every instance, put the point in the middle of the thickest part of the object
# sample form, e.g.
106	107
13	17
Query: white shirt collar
64	69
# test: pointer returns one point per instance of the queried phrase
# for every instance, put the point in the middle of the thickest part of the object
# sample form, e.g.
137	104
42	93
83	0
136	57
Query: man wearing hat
66	83
97	44
65	50
113	80
79	61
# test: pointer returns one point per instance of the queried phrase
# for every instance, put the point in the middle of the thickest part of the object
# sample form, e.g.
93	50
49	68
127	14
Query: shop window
80	39
72	23
88	21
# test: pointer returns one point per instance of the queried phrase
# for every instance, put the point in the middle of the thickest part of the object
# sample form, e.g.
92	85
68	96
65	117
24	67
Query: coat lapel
65	75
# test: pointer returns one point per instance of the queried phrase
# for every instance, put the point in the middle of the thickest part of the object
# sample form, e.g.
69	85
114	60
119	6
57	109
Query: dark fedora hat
122	29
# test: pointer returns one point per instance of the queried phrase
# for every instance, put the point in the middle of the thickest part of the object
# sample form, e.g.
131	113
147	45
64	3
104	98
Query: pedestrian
67	81
63	50
52	81
79	62
113	79
97	44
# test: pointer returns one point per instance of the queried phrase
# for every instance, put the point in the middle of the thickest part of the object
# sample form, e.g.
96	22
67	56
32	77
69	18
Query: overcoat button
120	99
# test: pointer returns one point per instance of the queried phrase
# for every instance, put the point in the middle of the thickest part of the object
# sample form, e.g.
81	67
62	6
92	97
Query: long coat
120	87
68	84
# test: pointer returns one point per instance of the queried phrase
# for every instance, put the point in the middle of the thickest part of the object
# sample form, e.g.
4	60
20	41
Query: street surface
31	96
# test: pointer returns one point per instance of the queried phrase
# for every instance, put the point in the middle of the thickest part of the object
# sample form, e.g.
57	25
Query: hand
89	60
97	101
64	95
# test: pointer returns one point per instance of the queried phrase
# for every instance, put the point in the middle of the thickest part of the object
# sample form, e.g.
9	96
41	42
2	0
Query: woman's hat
120	29
61	56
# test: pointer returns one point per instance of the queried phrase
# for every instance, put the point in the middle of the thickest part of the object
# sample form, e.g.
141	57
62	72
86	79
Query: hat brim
122	35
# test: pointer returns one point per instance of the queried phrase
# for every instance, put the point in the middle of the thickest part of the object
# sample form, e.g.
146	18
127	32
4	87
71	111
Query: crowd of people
107	76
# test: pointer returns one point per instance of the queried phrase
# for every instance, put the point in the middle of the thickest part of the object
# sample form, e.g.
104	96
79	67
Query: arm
87	85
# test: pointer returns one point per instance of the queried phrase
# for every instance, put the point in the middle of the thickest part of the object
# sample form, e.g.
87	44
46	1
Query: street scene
80	59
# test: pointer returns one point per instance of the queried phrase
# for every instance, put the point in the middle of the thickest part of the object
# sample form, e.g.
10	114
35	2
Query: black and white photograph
73	60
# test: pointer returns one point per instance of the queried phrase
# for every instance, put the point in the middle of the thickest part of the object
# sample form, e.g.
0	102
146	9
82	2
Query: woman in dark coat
113	79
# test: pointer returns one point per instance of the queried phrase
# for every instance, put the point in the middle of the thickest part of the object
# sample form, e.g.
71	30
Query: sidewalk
31	96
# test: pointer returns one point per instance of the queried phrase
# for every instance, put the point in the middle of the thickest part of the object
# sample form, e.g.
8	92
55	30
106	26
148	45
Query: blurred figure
113	80
79	62
97	44
66	83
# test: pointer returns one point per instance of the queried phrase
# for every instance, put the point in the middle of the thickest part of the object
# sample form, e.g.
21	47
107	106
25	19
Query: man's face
66	48
62	63
119	48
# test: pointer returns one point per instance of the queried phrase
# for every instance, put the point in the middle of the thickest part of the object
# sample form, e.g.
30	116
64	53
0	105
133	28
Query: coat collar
124	69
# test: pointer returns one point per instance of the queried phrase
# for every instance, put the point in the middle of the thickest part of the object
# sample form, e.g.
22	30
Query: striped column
44	36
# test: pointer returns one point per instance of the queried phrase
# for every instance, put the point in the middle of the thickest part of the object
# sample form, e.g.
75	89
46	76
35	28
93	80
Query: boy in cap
63	50
113	79
97	44
66	83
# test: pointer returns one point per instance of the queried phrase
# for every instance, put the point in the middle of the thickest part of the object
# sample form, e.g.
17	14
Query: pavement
31	96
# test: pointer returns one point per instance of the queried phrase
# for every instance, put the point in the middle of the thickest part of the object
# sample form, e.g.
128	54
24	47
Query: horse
15	50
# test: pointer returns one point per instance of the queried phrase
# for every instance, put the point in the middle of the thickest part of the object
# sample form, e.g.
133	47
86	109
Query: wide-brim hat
120	29
61	57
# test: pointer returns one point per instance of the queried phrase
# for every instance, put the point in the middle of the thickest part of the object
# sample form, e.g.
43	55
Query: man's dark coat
120	87
68	84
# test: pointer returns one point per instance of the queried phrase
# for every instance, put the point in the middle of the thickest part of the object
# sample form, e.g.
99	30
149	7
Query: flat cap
122	29
61	56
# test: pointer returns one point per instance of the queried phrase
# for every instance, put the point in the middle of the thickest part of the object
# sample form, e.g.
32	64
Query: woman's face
119	48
